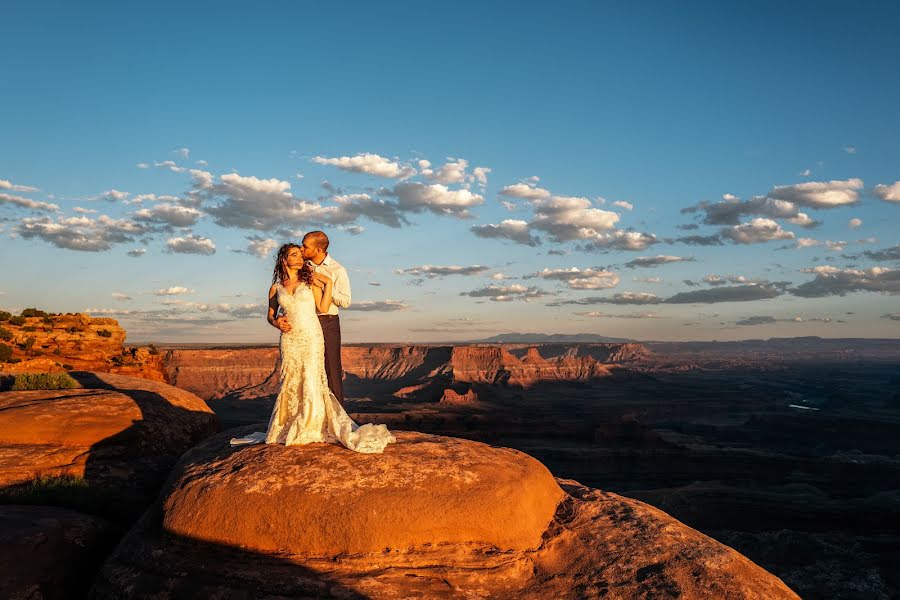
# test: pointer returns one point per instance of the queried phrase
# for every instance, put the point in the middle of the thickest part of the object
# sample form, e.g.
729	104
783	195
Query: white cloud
524	191
370	164
889	193
84	211
831	281
804	220
432	271
624	204
378	305
480	175
184	152
854	223
659	259
805	173
27	203
850	149
193	244
436	198
114	196
169	214
261	247
6	184
580	279
757	231
506	293
174	291
451	172
137	252
819	194
571	218
82	233
647	279
602	315
807	242
121	297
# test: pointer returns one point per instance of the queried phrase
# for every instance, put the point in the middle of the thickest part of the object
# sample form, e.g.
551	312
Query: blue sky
668	171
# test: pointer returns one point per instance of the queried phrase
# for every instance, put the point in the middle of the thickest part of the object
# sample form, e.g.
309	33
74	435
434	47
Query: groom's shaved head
317	239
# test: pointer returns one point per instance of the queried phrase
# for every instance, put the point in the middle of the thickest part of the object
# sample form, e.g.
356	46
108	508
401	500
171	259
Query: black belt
328	316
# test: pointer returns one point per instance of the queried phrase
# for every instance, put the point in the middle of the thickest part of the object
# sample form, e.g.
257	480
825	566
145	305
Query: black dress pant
331	330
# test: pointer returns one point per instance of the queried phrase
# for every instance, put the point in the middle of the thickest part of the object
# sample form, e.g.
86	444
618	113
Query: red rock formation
119	434
76	342
450	397
432	517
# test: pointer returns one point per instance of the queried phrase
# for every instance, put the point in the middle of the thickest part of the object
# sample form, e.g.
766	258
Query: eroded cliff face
253	372
57	343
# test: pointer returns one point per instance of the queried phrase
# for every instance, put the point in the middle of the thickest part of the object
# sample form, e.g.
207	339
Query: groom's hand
282	324
320	279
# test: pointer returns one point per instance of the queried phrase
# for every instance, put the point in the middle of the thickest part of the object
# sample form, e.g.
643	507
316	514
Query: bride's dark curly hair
280	274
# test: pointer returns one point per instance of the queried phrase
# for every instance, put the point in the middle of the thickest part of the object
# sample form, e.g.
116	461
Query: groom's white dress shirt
340	291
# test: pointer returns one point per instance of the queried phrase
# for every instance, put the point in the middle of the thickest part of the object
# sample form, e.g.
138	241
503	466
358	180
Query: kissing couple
308	287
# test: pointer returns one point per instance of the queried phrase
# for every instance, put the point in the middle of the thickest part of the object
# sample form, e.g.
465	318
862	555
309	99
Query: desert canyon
756	469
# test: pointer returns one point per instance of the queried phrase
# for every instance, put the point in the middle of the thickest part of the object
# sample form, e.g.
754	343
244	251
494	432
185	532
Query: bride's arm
322	296
273	309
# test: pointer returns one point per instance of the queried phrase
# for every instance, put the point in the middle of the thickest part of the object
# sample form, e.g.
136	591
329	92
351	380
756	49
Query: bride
306	410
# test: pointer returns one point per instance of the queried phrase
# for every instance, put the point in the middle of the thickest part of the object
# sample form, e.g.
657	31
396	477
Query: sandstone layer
575	543
76	341
50	553
120	434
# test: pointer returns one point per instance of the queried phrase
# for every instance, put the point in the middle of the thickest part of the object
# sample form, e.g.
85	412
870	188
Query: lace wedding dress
306	410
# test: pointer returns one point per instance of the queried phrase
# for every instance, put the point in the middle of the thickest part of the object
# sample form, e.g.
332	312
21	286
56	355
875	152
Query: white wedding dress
306	410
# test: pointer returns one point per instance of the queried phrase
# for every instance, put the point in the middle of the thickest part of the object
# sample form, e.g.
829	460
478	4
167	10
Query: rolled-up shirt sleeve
340	292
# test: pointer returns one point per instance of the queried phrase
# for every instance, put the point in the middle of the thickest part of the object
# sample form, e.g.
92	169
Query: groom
314	250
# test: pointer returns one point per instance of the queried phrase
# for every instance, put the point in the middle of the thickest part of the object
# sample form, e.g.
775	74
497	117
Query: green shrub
29	343
5	353
104	333
4	316
48	321
43	381
153	350
117	360
33	312
29	328
5	334
17	321
57	351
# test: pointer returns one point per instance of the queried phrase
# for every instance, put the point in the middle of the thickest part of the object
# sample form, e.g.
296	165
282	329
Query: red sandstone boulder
120	434
432	517
50	553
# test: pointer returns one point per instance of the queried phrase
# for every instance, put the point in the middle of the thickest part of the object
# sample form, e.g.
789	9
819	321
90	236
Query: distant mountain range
553	338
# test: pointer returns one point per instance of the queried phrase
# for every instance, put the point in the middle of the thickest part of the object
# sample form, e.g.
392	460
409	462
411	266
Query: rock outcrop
120	434
66	342
253	372
432	517
50	553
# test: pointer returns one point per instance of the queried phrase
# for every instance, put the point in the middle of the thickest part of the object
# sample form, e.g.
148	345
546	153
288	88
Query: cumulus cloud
659	259
569	218
507	293
731	209
113	196
717	280
353	206
378	306
700	240
633	241
854	223
768	319
432	271
370	164
261	247
624	204
192	244
169	214
121	297
173	291
261	204
453	171
509	229
580	279
525	191
833	281
756	231
435	198
888	193
6	184
819	194
27	203
81	233
647	279
137	252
